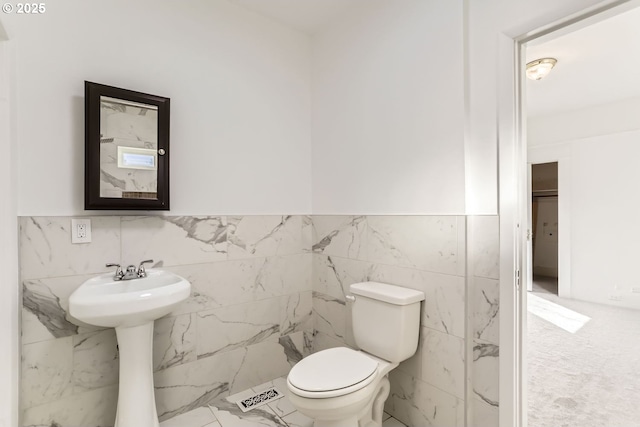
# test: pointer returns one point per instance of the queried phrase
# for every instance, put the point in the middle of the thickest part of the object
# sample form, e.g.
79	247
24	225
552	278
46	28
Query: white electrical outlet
81	230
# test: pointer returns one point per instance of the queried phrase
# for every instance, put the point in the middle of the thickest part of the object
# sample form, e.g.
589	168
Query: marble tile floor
278	413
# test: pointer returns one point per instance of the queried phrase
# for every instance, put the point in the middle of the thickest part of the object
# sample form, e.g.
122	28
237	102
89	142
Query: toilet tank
386	319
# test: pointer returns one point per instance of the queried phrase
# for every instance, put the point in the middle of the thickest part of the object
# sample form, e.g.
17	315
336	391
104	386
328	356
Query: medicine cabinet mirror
126	149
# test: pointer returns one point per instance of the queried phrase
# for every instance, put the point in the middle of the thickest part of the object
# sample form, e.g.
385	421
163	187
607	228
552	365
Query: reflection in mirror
128	149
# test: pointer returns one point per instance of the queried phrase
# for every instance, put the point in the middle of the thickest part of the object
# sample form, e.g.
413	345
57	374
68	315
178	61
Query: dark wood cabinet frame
92	199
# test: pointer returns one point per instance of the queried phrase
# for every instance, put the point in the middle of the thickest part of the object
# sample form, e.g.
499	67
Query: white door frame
512	168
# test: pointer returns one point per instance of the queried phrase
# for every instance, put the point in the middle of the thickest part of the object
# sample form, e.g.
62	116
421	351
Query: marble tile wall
247	321
484	274
273	290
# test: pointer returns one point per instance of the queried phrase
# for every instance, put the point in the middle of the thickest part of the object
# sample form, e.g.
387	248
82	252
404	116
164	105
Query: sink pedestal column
136	400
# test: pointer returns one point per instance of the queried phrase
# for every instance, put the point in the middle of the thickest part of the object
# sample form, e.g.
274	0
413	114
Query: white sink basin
103	301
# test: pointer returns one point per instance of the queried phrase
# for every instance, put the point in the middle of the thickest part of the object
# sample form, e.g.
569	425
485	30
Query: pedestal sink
131	306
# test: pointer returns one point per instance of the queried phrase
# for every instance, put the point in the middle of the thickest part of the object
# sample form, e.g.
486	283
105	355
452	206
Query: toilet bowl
342	387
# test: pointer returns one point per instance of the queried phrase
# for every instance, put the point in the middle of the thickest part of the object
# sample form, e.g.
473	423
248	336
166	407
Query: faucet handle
141	271
119	274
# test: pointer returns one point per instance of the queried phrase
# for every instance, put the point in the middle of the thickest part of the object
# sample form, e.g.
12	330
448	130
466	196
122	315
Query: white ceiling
307	16
597	64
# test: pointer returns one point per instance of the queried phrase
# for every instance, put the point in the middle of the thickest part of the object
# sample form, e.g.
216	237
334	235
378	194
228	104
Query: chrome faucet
141	271
119	274
131	273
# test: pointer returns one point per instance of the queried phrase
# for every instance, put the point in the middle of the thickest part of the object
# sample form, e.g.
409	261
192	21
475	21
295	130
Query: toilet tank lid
388	293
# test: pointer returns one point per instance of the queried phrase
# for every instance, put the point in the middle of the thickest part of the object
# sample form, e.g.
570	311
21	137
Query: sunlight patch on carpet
560	316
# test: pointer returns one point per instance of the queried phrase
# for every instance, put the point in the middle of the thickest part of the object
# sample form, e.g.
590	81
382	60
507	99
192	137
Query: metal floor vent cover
259	399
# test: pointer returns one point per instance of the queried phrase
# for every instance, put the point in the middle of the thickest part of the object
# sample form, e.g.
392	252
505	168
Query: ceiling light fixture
540	68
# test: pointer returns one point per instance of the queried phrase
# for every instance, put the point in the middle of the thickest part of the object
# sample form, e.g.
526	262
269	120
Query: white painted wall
9	329
239	85
620	116
603	180
605	227
388	110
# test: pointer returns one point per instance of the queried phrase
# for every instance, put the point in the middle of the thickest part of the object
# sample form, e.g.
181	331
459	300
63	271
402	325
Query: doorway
544	227
578	374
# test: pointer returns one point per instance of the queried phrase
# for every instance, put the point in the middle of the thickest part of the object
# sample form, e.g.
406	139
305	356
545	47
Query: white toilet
341	387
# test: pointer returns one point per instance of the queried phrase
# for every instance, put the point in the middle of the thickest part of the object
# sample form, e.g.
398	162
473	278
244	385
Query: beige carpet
590	378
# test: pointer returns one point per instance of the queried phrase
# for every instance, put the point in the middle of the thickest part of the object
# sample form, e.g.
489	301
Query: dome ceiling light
539	68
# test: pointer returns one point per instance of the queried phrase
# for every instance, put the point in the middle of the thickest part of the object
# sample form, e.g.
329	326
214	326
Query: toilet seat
331	373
